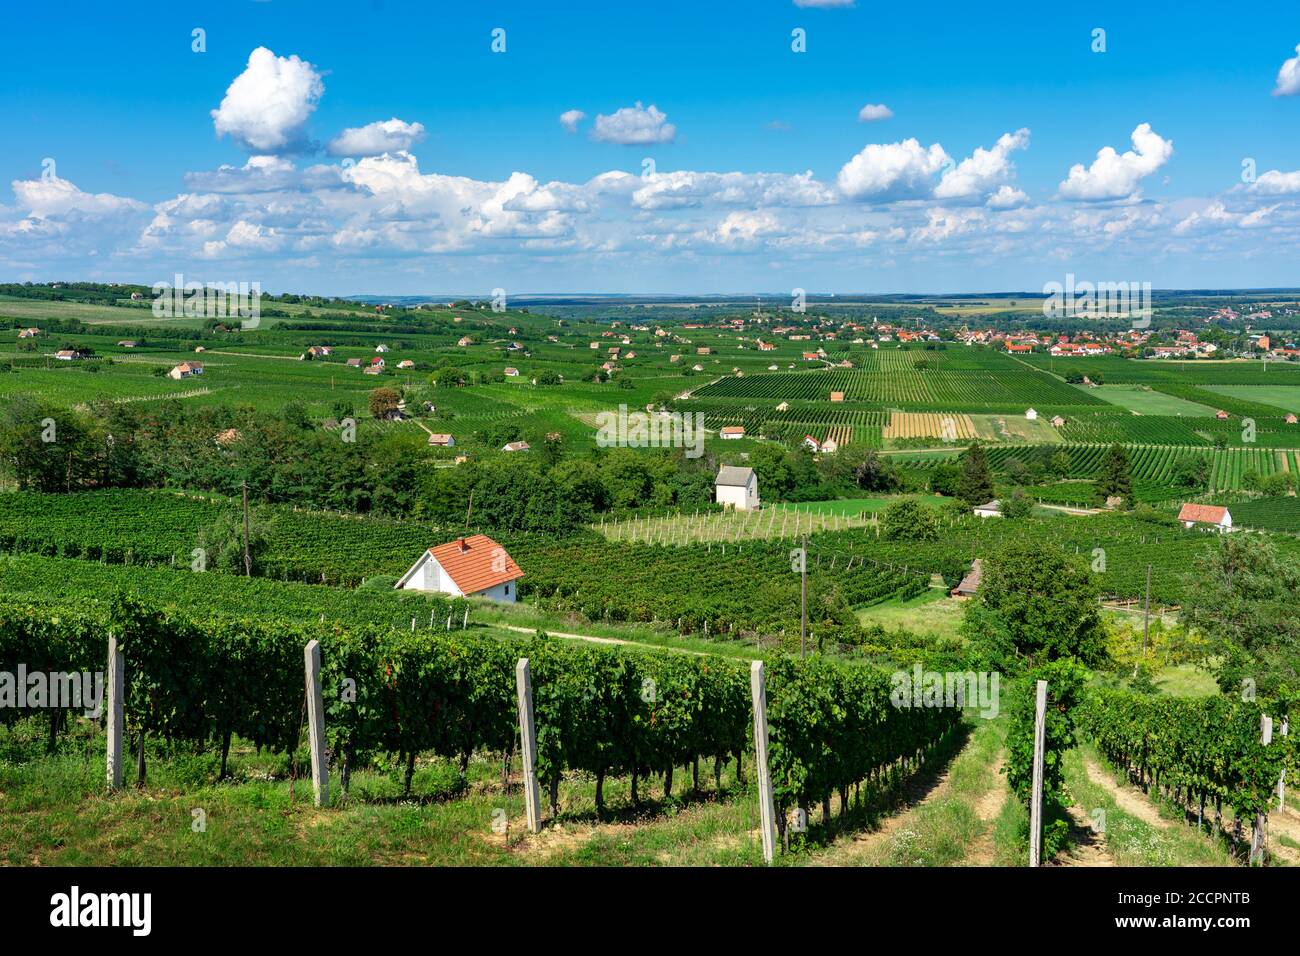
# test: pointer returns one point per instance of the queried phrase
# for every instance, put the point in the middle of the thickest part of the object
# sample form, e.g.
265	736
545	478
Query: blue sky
233	163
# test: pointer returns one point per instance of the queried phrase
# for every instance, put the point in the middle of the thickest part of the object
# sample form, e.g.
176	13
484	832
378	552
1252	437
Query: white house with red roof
475	566
1213	515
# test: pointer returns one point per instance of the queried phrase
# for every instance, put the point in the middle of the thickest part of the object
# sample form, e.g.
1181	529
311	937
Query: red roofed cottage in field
469	567
1213	515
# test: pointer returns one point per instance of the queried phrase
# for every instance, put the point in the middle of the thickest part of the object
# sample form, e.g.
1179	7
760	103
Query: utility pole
248	558
803	597
1146	614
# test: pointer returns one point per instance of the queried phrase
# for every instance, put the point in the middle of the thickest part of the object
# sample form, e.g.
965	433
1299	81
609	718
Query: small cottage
736	488
475	566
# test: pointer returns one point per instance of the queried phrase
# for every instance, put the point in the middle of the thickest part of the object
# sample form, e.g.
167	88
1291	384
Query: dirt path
1087	846
1129	800
601	640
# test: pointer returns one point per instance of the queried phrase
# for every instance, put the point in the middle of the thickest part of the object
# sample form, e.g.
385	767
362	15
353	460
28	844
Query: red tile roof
1209	514
476	563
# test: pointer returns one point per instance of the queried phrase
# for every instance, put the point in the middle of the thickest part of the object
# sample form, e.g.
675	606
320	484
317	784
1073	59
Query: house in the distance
812	444
1214	516
970	584
469	567
186	370
736	488
441	440
516	446
70	355
990	509
1031	414
732	432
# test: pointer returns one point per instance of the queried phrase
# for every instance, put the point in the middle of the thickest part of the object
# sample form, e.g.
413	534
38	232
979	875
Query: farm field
1283	396
630	573
1146	401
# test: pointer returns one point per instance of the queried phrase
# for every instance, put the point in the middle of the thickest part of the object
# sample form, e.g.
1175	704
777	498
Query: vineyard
606	712
1192	750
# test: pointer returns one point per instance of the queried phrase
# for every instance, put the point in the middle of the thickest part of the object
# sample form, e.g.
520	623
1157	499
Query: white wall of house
742	499
430	576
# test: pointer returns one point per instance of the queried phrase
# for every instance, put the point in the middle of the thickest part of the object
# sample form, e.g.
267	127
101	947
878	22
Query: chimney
463	546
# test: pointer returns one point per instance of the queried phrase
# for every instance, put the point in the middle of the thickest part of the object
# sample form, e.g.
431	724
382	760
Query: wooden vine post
1036	794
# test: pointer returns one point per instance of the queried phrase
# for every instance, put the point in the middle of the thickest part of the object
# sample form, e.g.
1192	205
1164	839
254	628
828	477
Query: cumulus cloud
874	111
1288	77
1115	175
386	136
1277	183
53	197
983	170
634	126
745	227
570	119
267	106
683	188
1007	197
884	171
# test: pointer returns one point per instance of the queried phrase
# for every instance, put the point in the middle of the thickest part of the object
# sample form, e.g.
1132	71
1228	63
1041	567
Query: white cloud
874	111
634	126
1277	183
1007	197
570	119
1288	77
51	197
1115	176
745	227
887	171
267	106
386	136
683	188
983	170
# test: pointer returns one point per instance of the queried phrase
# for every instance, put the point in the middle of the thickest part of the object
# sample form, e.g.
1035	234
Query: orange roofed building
1213	515
475	566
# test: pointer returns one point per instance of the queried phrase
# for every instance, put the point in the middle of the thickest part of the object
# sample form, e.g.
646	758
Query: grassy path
951	815
1132	829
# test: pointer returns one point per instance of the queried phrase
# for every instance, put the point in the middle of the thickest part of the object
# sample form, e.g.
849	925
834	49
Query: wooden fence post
766	805
1036	795
320	774
528	739
116	700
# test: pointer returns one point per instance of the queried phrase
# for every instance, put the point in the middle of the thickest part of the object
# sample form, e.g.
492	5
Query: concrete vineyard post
766	804
116	700
528	748
320	775
1281	780
1258	837
1036	793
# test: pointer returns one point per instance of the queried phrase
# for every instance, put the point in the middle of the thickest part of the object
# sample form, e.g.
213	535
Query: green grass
53	812
947	827
930	612
1145	401
1283	396
1130	840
